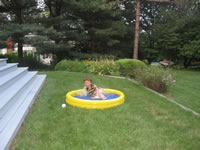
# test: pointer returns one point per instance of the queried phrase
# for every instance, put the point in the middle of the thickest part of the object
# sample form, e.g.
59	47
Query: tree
135	51
166	28
190	52
190	40
100	25
181	3
18	10
55	16
86	26
3	19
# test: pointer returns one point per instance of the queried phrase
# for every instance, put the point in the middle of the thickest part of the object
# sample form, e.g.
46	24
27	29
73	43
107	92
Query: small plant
104	67
155	78
145	61
129	66
88	62
69	65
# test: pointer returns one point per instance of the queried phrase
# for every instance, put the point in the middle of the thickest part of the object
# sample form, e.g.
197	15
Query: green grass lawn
187	89
144	122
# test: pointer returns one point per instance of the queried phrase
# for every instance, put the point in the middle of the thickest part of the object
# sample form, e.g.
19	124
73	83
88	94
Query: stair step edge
11	130
18	103
12	75
15	89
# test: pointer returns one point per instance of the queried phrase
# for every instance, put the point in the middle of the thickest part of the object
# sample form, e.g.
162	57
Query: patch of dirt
15	140
158	116
179	123
194	132
168	95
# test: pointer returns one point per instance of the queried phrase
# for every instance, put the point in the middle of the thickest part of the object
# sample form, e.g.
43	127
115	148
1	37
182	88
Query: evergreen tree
89	26
58	16
18	12
190	40
3	19
100	25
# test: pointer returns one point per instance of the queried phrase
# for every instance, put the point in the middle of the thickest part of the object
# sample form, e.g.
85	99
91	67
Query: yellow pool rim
96	104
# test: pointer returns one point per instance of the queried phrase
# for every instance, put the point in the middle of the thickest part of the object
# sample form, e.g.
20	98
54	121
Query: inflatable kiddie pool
114	98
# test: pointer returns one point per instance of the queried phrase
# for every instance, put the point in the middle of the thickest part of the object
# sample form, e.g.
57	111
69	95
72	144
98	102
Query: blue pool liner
108	97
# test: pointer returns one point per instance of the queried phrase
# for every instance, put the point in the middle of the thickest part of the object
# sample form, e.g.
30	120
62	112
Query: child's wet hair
87	79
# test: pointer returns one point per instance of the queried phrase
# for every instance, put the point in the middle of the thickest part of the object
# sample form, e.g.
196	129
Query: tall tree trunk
20	54
187	62
20	41
135	50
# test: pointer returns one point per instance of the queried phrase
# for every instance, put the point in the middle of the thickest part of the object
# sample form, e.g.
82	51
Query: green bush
12	58
103	67
129	66
69	65
155	77
93	56
30	60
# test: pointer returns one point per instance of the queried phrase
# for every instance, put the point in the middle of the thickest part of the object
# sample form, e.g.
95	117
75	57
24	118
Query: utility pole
137	24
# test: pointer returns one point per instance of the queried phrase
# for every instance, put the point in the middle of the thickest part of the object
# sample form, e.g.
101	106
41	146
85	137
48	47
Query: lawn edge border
161	95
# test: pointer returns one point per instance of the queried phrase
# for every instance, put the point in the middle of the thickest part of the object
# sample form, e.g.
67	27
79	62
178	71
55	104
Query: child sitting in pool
93	90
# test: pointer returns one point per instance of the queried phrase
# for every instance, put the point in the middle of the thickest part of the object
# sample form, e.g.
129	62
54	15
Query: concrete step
4	70
13	125
11	77
3	62
13	108
17	104
11	94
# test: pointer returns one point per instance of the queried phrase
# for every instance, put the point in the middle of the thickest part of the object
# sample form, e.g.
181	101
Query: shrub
30	60
93	56
104	67
155	77
69	65
129	66
88	62
12	58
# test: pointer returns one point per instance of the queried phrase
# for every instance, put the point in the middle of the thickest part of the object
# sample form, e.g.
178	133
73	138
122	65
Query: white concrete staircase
18	91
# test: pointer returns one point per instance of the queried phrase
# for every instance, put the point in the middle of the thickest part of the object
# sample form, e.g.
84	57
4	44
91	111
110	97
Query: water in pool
108	96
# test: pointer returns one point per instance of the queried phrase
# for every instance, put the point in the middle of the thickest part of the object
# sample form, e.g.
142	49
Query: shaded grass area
144	122
186	90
